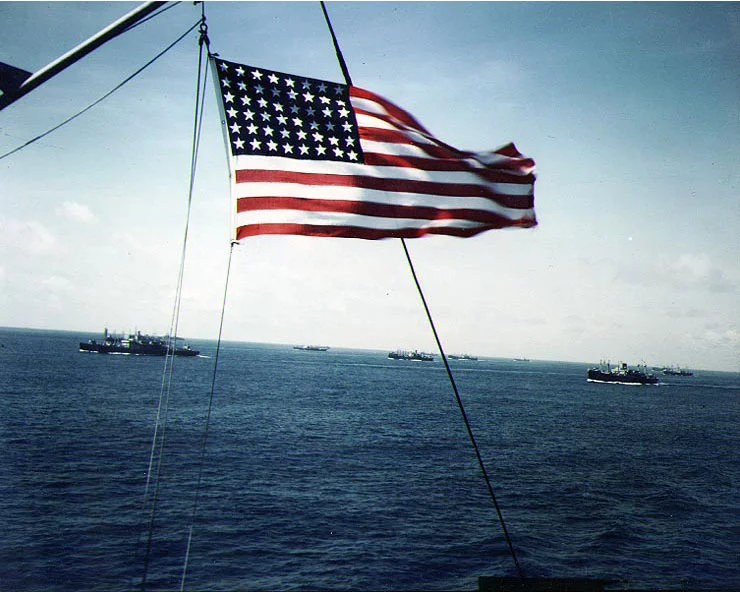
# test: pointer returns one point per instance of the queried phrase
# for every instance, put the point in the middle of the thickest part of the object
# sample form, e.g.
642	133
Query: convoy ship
414	356
462	357
621	374
136	344
320	348
675	371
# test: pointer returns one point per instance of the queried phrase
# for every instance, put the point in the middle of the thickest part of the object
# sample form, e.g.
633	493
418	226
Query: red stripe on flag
365	208
374	183
393	110
370	233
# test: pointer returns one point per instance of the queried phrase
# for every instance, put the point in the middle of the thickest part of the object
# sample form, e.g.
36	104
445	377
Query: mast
13	92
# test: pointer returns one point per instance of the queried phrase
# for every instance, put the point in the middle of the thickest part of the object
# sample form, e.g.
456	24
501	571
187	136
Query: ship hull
101	348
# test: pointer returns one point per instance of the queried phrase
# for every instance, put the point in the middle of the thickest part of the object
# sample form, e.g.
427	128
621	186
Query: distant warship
135	344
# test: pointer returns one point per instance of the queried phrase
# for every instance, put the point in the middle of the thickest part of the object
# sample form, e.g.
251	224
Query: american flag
317	158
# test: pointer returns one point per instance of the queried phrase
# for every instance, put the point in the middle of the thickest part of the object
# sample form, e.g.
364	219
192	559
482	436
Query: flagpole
79	52
337	49
348	80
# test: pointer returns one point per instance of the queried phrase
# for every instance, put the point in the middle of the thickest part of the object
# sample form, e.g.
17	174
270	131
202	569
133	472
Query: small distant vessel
312	347
462	357
136	344
621	374
521	359
414	356
676	371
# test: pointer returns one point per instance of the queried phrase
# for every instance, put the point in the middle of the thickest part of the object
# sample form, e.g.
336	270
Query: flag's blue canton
274	114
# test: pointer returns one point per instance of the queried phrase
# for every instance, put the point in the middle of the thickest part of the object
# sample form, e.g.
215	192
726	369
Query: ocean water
344	469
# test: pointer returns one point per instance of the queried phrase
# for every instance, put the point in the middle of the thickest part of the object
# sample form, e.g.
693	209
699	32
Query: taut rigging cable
460	405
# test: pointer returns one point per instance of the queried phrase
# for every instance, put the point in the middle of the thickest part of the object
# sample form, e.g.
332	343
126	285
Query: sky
630	110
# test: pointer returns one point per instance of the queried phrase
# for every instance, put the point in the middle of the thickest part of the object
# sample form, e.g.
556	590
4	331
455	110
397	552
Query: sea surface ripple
344	469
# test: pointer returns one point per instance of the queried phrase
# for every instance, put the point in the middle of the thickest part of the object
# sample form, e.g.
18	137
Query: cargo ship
621	374
414	356
319	348
462	357
676	371
137	344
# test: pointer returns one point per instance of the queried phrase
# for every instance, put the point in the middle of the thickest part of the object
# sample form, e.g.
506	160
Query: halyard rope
204	41
207	424
172	339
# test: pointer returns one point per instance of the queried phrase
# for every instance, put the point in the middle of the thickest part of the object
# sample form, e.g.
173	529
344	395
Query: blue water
344	469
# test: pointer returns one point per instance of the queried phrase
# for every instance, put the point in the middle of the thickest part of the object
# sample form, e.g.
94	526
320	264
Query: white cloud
77	212
698	270
729	338
57	284
25	236
687	271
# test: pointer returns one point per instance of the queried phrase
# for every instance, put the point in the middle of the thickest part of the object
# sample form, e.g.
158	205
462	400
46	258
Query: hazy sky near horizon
630	110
